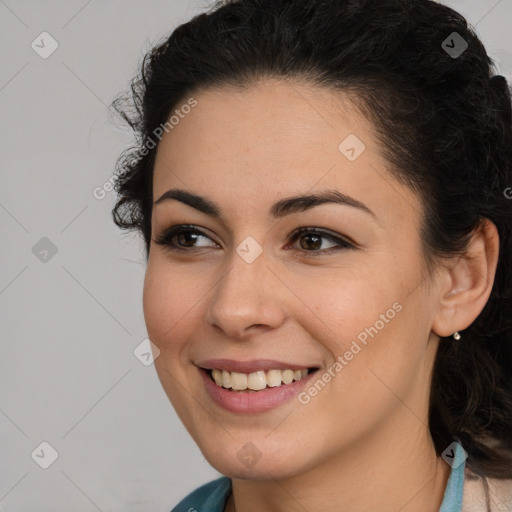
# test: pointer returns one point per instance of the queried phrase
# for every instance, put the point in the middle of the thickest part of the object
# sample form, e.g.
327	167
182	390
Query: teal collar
456	457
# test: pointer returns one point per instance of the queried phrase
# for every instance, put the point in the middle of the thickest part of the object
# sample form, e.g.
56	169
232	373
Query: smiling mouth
256	381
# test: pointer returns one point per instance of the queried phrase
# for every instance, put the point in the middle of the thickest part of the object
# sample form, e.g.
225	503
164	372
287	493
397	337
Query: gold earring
456	336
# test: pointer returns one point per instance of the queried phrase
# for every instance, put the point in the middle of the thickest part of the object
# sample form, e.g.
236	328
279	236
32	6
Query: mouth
256	381
253	386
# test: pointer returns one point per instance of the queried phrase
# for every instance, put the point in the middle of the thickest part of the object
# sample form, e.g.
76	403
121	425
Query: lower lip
259	401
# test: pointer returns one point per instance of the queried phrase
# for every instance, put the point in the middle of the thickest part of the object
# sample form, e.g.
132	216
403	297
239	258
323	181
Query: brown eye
185	238
311	240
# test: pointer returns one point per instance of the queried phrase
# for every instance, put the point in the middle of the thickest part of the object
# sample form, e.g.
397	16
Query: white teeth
288	376
257	380
217	375
238	381
273	378
226	379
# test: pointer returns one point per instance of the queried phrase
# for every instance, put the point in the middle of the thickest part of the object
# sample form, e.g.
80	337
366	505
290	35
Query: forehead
254	146
270	120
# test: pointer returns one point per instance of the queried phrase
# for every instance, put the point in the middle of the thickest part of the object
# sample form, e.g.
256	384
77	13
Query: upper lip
249	366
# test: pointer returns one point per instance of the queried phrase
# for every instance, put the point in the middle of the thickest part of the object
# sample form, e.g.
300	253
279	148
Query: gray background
70	321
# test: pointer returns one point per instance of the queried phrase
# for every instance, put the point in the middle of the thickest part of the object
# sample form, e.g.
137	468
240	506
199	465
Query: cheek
346	303
167	303
371	320
382	358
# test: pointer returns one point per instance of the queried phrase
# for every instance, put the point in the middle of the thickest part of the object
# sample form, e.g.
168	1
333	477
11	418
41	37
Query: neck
403	474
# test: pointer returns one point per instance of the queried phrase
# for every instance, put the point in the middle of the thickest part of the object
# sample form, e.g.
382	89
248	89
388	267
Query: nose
246	299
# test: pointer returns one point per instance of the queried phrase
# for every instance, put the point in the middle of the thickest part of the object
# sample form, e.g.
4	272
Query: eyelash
165	239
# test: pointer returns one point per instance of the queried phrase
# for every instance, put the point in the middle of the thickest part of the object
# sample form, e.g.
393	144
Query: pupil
184	236
310	245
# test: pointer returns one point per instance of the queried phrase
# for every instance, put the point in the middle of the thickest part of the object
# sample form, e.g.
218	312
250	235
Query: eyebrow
280	209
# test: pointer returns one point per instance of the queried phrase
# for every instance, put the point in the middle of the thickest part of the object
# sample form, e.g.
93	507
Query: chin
249	463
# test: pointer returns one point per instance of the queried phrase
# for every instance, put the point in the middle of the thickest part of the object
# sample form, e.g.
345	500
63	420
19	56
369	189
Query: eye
187	235
313	238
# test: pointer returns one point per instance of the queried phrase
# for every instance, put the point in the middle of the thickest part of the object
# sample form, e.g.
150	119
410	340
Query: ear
468	282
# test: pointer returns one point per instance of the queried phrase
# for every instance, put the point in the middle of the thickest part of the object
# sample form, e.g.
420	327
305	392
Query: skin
363	442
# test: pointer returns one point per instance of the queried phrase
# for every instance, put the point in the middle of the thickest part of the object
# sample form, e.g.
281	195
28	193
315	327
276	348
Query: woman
323	188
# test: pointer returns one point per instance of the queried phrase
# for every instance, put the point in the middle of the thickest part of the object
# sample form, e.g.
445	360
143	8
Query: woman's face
249	293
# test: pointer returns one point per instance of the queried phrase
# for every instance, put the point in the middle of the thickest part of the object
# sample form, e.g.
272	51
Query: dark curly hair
444	122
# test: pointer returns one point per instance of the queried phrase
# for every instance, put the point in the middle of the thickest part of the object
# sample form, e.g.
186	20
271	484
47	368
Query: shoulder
210	497
486	494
